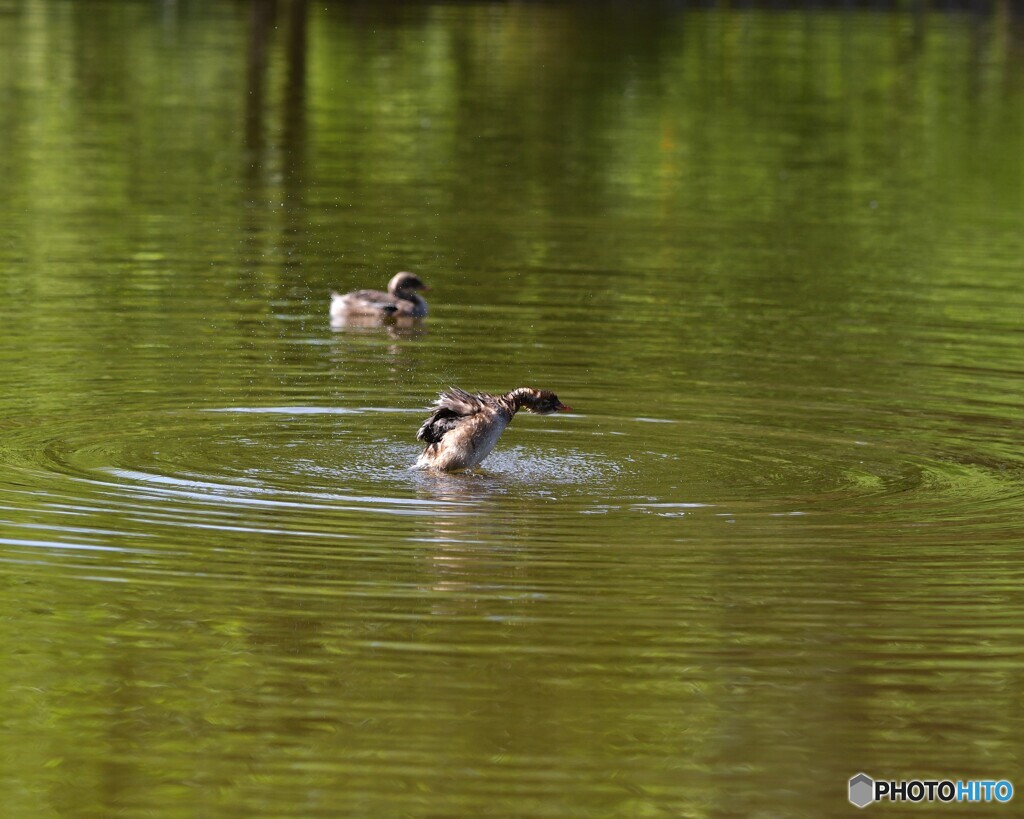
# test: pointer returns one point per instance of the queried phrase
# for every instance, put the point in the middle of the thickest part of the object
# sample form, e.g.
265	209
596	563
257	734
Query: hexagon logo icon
862	790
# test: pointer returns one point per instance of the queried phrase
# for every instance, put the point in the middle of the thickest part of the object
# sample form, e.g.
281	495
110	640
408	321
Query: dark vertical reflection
261	19
253	244
295	88
275	129
293	129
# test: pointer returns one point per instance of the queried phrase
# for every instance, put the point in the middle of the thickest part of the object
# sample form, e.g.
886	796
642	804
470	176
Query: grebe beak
563	408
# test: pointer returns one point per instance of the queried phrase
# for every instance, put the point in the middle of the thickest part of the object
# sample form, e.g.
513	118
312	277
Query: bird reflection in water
475	546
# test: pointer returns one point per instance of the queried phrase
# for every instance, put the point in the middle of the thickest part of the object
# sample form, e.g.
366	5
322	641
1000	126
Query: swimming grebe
400	300
464	428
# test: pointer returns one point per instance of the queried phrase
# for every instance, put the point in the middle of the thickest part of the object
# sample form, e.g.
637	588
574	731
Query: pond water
772	258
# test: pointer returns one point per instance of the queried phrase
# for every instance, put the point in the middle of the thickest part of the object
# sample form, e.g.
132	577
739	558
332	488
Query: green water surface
773	258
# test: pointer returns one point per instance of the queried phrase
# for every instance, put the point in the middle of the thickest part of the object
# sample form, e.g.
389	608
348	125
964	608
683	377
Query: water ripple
339	473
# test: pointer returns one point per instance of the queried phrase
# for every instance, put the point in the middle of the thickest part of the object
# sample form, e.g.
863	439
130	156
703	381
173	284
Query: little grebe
464	428
400	300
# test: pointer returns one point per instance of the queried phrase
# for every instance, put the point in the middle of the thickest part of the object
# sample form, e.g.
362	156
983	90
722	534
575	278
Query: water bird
464	427
401	300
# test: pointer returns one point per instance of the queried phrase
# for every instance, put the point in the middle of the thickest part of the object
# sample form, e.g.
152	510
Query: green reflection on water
771	257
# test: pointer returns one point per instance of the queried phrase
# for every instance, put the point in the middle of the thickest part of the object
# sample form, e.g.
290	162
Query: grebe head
540	402
405	285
